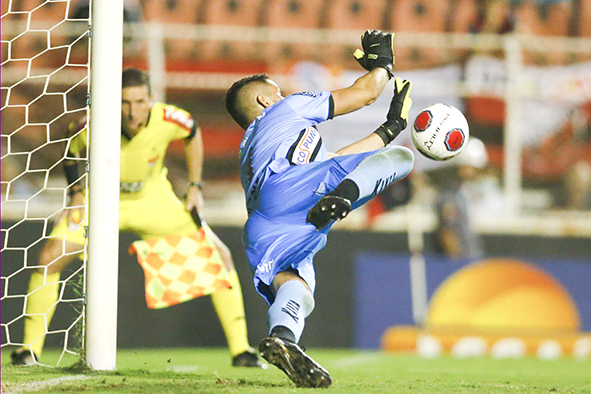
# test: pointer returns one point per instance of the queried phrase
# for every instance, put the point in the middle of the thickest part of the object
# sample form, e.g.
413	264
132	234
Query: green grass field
208	371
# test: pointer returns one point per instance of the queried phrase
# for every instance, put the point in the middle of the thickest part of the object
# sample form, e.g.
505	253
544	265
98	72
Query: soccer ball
440	132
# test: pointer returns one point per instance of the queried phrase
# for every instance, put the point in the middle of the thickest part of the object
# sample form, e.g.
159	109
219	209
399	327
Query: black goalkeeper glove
396	120
378	51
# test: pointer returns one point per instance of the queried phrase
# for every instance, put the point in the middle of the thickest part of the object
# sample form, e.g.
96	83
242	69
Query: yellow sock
230	309
41	299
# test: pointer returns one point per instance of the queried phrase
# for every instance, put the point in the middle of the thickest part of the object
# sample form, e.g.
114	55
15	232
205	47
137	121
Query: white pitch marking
183	368
40	385
360	359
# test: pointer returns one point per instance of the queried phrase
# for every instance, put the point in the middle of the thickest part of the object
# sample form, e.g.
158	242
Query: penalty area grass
182	371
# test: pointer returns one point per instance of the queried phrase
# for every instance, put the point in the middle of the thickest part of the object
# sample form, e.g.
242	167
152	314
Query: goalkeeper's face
136	104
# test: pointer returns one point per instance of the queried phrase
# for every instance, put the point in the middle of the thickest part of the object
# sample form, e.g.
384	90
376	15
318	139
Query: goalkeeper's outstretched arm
396	121
377	57
364	91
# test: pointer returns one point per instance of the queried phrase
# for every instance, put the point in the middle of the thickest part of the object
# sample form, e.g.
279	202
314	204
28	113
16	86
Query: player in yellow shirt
148	207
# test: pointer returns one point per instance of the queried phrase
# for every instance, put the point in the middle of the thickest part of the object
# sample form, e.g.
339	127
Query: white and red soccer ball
440	132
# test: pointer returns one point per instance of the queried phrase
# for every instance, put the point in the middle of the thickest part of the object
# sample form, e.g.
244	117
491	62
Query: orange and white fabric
180	268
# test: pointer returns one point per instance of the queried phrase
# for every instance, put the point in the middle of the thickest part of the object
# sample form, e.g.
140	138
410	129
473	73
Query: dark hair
235	108
136	77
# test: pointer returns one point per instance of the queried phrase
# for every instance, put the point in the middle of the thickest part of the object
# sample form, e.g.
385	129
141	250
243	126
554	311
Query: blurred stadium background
519	70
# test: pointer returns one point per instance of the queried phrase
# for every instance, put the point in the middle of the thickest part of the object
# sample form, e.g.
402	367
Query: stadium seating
293	13
464	16
419	15
583	14
178	12
297	14
352	15
43	16
4	7
356	14
171	11
422	16
544	19
27	45
229	13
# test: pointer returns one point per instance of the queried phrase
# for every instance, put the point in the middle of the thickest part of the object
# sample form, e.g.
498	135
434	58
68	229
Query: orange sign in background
500	307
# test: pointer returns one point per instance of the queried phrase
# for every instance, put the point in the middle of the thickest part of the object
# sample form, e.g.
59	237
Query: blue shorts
276	234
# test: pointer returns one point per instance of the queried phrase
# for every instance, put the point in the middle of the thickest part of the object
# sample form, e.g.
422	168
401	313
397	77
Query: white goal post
105	148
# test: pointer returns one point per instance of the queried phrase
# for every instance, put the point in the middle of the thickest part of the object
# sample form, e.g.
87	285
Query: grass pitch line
183	368
40	385
357	360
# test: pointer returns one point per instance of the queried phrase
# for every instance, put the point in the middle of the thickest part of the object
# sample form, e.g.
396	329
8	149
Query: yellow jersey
142	157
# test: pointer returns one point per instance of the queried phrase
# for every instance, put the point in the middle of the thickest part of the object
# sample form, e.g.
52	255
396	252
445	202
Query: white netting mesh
45	73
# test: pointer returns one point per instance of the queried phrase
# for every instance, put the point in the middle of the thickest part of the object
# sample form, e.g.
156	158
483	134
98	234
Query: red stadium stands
293	13
230	13
41	16
424	16
356	15
464	16
172	11
297	14
179	12
44	15
406	17
352	15
545	19
419	15
584	13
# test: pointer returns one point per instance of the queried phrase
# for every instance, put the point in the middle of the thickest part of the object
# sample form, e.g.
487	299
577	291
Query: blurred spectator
494	17
561	157
454	204
577	186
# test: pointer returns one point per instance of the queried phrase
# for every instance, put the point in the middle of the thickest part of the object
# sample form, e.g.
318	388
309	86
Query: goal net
45	85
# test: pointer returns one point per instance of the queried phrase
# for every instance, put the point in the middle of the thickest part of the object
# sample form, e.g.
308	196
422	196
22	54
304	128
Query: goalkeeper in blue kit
295	190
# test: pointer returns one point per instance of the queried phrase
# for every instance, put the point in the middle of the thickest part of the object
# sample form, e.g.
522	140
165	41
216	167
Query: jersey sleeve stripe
330	107
293	147
315	152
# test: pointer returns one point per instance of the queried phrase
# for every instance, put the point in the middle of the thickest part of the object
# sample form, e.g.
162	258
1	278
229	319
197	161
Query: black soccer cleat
328	209
297	365
249	359
23	357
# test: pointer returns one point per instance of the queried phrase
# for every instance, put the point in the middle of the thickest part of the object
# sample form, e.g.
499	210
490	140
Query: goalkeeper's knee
399	158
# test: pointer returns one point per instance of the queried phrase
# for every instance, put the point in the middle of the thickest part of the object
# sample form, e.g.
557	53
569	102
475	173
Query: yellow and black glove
378	51
397	118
